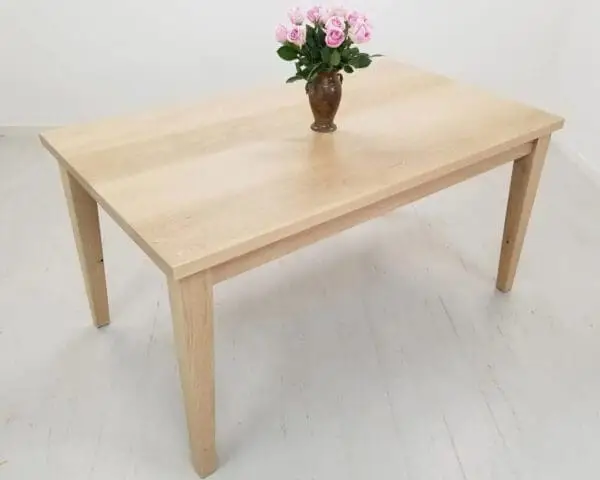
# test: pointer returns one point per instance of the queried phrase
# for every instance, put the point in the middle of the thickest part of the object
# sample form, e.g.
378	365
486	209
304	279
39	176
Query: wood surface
83	211
199	186
192	311
523	187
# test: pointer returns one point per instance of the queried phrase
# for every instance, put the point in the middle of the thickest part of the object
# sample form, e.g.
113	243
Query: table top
199	185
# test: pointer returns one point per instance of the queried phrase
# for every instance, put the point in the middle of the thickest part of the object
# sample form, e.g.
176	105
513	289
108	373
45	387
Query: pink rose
297	35
360	32
335	37
296	16
314	14
281	33
354	17
336	22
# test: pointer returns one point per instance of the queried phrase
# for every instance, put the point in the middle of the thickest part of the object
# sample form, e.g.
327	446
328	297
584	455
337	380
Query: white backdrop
65	61
577	88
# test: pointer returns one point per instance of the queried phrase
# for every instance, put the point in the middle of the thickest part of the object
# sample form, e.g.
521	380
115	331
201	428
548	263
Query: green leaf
353	51
361	61
348	69
319	36
335	58
364	62
303	71
287	53
376	55
314	71
325	54
306	55
293	79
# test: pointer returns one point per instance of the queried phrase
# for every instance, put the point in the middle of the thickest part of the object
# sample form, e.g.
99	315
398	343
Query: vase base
323	127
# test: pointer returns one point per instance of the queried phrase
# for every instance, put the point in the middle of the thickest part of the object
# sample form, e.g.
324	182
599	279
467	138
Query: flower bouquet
322	43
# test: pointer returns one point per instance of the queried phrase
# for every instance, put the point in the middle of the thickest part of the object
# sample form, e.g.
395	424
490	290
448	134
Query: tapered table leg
83	211
192	310
523	187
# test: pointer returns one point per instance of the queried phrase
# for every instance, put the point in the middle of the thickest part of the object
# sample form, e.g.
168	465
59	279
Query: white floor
381	353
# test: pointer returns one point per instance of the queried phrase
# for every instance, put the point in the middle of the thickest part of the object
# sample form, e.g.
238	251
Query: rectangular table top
200	185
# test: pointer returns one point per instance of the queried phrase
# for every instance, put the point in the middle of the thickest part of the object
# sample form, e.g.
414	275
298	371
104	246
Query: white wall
577	88
64	61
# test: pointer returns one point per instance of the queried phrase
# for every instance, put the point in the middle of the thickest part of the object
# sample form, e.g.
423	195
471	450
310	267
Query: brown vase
324	95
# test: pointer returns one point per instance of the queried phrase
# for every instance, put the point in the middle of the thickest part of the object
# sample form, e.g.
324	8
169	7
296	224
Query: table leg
523	187
83	211
192	310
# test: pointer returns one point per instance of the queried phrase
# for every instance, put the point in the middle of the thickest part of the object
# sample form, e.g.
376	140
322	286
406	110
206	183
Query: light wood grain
192	310
198	186
283	247
523	188
83	211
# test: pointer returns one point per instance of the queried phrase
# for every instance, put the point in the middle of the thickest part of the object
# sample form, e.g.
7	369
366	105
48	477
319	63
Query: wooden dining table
214	189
